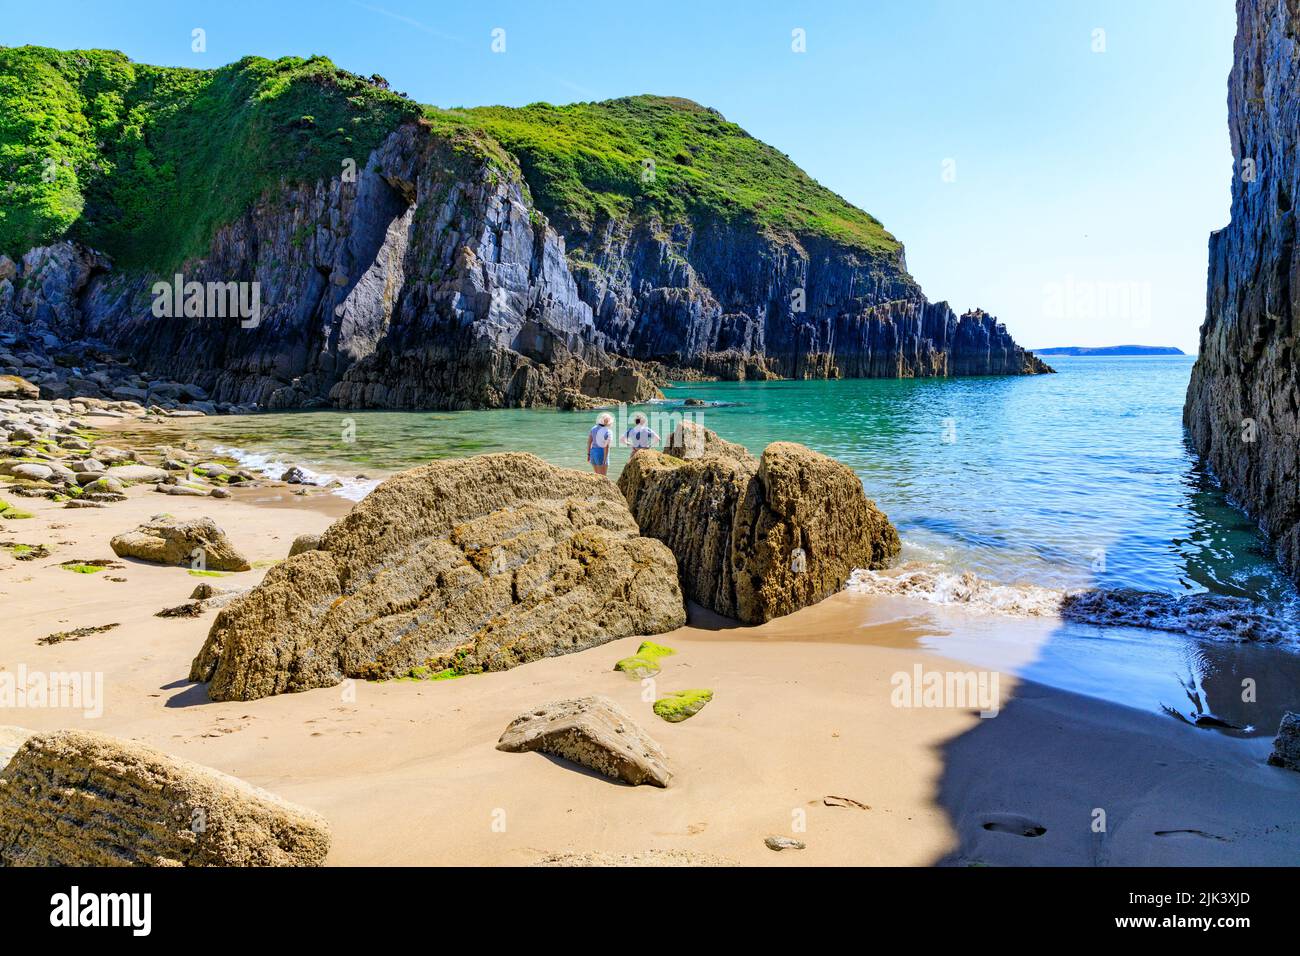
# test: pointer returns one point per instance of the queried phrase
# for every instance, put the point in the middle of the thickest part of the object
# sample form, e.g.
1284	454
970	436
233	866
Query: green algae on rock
681	704
645	662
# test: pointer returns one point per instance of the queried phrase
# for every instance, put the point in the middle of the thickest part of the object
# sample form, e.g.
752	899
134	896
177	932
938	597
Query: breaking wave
269	466
1212	616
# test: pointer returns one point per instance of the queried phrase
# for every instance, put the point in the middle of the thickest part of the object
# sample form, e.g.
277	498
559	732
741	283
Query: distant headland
1111	350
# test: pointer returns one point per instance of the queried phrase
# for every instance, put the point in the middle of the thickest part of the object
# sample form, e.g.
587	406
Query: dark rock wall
1242	402
432	282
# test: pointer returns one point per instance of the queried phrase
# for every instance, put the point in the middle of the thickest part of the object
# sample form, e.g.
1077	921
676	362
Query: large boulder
15	386
168	540
756	538
75	798
475	564
594	732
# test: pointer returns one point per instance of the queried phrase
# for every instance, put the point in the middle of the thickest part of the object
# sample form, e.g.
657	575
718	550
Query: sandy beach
801	739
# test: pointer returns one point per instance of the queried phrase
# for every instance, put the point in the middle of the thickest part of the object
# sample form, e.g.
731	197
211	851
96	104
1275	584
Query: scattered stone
474	564
681	704
779	843
15	386
135	474
75	798
593	732
31	471
1286	745
296	476
165	539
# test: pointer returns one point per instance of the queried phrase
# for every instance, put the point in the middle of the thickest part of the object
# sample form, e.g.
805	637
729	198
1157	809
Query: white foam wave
1213	616
964	588
270	466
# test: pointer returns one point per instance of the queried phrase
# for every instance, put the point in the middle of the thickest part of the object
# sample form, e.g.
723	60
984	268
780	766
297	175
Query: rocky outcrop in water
432	281
1243	402
456	567
756	538
74	798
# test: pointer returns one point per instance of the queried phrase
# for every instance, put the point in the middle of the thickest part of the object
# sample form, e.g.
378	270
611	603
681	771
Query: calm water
1075	479
1080	479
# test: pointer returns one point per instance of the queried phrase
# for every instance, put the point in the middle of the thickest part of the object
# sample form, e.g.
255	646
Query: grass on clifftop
592	161
146	163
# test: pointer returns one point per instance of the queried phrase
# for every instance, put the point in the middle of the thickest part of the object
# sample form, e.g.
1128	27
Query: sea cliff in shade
1243	401
414	257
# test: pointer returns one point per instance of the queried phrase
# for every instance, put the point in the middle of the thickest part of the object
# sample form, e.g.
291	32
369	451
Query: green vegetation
84	567
666	156
9	513
681	704
146	162
645	662
424	672
208	574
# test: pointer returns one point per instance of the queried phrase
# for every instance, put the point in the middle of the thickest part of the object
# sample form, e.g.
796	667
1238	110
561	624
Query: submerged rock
594	732
475	564
74	798
756	538
167	540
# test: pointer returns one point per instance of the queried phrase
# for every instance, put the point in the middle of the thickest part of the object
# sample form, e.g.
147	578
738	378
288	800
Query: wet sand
407	772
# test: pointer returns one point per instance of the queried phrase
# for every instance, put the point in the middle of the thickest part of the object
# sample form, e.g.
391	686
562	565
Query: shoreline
407	772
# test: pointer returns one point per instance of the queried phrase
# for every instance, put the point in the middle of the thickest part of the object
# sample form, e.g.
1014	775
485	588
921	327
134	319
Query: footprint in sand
1013	823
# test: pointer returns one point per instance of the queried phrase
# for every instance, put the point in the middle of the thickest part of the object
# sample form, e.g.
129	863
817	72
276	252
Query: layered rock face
456	567
1243	403
73	798
431	281
754	538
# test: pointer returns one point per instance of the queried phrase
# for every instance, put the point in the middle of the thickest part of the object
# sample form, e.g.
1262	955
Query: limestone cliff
1243	403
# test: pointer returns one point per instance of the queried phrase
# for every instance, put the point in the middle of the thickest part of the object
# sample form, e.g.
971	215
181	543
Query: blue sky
1063	179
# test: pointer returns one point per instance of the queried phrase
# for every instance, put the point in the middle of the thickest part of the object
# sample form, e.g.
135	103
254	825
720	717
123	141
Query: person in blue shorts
599	439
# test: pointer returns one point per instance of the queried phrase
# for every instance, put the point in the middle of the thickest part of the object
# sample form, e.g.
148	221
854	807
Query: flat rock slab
167	540
594	732
74	798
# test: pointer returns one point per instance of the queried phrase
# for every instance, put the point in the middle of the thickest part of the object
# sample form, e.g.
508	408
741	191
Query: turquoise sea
1032	485
1076	479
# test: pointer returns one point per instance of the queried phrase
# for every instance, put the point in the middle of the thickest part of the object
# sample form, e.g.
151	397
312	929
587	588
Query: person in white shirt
640	435
599	439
